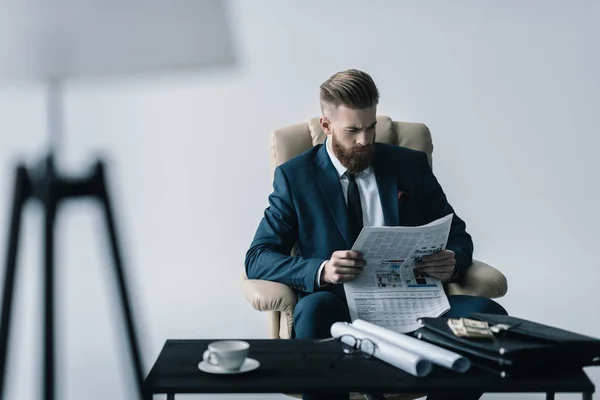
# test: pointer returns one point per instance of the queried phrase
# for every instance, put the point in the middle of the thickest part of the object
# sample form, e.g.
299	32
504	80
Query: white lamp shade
55	39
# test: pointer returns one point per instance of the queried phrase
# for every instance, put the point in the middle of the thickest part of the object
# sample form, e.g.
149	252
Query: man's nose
362	139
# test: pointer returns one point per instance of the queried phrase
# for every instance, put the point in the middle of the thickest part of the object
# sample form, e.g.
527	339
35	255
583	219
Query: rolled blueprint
435	354
407	361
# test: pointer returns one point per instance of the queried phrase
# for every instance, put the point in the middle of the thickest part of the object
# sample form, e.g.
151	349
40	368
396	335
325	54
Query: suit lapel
329	182
388	189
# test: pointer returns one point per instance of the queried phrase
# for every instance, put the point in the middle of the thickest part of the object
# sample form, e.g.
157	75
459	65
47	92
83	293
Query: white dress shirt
372	212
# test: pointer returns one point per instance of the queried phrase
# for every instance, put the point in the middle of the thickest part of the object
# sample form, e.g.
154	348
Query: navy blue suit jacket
307	208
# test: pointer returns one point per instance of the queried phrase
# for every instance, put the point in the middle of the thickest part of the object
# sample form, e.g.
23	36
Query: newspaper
390	292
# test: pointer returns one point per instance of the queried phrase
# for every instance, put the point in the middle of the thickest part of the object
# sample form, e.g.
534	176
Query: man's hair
351	88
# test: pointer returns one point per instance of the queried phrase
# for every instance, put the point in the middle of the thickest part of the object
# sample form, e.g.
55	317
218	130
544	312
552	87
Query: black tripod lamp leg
121	283
20	195
50	204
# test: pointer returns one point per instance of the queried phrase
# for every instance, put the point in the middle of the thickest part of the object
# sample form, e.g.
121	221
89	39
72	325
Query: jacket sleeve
269	255
459	241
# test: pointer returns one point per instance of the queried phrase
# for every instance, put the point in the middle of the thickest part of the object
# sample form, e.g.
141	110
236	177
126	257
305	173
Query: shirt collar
341	170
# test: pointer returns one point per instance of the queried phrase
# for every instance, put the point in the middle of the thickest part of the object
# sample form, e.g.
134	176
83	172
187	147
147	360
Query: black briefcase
520	347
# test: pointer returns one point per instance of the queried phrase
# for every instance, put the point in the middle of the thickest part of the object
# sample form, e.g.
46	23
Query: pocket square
403	196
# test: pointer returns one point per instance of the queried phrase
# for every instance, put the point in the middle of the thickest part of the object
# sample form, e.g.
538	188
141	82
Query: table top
294	366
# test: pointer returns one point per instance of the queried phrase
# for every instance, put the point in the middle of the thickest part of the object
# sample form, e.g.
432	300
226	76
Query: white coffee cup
227	354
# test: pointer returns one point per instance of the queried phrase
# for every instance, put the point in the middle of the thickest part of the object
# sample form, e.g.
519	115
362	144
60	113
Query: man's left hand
438	265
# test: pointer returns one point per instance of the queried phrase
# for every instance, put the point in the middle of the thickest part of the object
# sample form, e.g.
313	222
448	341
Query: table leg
550	396
587	395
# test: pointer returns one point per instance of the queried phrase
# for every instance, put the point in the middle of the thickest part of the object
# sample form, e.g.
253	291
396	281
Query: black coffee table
296	366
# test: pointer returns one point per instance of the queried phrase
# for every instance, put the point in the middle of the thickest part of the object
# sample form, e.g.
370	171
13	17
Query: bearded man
322	199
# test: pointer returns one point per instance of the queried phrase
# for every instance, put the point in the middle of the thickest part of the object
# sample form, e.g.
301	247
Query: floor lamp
53	41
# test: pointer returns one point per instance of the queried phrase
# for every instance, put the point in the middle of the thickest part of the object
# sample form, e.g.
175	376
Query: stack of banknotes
465	327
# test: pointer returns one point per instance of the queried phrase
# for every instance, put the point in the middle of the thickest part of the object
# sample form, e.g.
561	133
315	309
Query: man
322	198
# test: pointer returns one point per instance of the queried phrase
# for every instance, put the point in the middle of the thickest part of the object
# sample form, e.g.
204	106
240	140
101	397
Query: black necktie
355	219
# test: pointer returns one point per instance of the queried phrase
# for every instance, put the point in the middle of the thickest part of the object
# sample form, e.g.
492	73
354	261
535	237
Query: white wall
509	89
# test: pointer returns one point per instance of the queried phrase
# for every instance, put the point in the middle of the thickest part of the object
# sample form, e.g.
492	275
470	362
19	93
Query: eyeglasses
352	345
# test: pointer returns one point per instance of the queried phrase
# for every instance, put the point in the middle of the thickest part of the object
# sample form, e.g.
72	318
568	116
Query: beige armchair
279	300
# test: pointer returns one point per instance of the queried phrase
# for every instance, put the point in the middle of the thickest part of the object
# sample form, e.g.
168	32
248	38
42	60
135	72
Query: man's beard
354	162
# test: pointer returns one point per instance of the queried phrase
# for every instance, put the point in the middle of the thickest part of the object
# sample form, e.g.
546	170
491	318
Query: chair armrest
269	296
481	280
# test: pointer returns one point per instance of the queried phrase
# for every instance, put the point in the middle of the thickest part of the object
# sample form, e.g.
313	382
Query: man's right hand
344	265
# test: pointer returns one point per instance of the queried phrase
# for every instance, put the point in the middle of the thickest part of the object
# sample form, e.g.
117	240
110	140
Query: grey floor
514	396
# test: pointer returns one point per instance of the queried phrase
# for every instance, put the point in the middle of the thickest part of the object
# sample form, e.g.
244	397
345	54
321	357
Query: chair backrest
290	141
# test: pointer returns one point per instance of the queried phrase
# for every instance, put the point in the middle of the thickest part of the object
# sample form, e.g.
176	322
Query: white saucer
249	364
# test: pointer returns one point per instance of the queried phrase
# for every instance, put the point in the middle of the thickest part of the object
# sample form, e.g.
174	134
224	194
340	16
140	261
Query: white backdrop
510	91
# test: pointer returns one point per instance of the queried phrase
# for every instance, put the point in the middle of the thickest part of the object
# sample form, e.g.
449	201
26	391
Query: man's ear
325	125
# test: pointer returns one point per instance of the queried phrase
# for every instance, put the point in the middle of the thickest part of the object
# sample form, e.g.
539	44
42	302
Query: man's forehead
360	118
